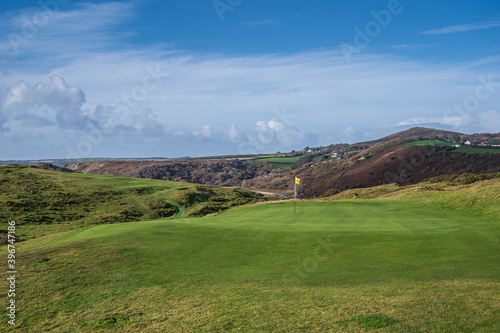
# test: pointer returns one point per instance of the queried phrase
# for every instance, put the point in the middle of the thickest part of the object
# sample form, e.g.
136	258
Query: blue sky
177	78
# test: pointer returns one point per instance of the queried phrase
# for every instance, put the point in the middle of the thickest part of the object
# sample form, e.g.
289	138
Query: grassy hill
43	202
405	261
473	194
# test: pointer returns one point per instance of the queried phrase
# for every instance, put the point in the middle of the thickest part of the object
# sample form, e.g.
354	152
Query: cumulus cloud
275	133
488	121
325	93
46	104
205	132
448	120
44	108
234	133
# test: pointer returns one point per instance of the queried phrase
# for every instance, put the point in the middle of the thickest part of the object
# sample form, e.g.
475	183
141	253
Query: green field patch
477	150
429	143
278	162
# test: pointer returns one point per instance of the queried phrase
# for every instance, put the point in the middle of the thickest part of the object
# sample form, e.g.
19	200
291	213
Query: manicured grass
455	193
475	150
350	265
429	143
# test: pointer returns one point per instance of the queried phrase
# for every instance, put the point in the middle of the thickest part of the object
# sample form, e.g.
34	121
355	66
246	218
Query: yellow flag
297	180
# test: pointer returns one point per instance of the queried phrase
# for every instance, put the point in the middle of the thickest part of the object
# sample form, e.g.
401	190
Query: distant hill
223	172
417	133
383	163
364	164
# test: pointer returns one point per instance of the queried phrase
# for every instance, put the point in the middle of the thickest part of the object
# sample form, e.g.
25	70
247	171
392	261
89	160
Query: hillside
231	172
417	133
384	161
421	133
43	201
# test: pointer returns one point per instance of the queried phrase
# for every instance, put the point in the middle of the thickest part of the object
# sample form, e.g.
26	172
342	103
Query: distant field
429	143
278	162
476	150
449	144
404	264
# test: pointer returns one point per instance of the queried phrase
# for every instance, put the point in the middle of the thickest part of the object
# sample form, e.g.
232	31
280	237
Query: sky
174	78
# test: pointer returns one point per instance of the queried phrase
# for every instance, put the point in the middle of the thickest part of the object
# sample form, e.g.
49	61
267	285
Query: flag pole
295	197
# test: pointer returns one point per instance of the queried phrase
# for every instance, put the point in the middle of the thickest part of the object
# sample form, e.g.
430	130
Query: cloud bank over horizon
100	95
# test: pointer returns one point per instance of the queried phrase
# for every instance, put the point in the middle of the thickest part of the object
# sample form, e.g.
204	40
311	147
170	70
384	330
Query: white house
467	143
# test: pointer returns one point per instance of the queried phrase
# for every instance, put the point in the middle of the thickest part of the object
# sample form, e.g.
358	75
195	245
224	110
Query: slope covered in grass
475	194
42	202
349	265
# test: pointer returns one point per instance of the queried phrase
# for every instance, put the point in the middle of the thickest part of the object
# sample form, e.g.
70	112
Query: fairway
346	265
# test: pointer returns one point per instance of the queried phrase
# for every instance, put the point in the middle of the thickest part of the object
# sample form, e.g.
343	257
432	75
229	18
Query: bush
330	192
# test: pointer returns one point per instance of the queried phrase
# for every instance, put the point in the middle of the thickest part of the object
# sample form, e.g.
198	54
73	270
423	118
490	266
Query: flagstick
295	197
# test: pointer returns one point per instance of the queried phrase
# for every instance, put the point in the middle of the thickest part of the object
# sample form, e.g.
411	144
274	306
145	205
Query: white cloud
489	121
276	133
452	120
462	28
207	92
234	133
206	131
56	102
34	30
262	23
348	131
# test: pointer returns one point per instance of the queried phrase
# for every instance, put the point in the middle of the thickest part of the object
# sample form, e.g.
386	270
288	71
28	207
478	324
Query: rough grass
42	202
464	193
351	265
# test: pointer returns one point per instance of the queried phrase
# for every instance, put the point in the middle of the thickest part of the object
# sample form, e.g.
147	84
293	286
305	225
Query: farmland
466	149
476	150
284	162
429	143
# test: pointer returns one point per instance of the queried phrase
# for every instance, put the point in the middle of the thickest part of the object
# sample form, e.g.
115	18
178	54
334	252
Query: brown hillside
209	172
417	133
387	163
382	161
